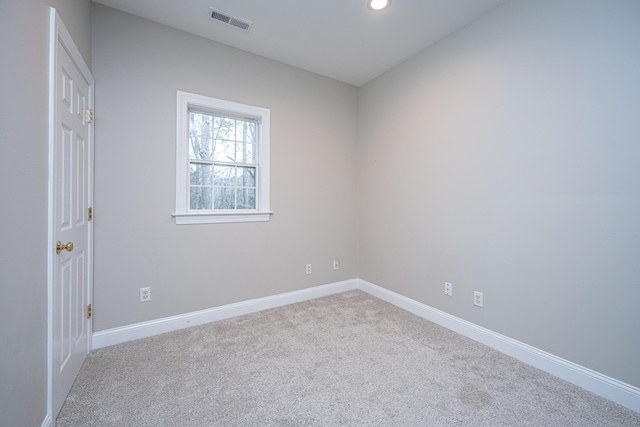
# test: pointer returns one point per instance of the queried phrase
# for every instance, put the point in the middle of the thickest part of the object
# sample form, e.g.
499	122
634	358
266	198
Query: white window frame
183	215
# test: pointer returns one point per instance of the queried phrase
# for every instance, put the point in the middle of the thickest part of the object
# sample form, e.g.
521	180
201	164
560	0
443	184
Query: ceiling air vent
223	17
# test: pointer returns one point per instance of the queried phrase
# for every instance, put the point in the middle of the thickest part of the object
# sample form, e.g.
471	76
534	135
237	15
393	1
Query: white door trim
59	33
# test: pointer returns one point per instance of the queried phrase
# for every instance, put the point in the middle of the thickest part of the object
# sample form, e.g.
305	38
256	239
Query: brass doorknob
60	247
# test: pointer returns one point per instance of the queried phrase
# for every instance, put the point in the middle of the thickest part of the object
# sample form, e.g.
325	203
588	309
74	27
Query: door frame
59	35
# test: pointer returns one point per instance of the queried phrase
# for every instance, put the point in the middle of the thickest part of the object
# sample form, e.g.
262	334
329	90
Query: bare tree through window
222	162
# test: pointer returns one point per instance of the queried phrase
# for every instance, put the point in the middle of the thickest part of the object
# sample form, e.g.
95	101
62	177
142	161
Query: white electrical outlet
145	294
478	299
308	270
448	289
336	263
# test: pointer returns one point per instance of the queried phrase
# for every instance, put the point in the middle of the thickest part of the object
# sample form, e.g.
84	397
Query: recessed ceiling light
378	5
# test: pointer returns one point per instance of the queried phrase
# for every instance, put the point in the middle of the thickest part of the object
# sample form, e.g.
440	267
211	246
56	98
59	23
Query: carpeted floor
344	360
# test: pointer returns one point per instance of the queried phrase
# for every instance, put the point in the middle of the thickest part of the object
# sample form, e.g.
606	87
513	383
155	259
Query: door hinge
90	214
88	115
89	313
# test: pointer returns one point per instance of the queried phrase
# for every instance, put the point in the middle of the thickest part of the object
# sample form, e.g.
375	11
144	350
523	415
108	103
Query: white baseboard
602	385
597	383
168	324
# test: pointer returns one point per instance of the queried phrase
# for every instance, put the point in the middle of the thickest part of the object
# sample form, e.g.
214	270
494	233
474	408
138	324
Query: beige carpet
344	360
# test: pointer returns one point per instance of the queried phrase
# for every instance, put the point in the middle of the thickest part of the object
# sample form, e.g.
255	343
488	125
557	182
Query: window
222	161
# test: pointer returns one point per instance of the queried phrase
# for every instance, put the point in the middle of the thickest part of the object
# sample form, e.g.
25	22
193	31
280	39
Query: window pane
246	198
201	174
200	146
246	177
250	135
224	151
245	131
225	176
246	153
200	123
240	130
224	198
225	128
200	198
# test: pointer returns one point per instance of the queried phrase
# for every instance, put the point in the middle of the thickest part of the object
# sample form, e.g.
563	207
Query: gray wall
504	159
138	66
24	47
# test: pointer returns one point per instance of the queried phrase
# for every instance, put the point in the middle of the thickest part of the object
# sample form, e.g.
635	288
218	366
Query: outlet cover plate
478	299
448	289
145	294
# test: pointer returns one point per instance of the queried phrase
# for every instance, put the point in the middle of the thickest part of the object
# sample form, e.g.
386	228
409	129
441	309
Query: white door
71	227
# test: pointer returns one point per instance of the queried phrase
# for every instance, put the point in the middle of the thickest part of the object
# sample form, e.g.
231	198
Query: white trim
58	32
595	382
47	421
182	214
53	36
174	323
214	217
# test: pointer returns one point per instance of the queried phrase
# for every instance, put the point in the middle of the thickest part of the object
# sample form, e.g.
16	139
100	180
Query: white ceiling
341	39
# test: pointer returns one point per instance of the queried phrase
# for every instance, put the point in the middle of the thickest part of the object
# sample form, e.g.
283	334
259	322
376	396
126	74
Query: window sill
220	217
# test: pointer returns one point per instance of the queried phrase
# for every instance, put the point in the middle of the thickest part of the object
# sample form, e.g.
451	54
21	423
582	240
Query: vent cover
225	18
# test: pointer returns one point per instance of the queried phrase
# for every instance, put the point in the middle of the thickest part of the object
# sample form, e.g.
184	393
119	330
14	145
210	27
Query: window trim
182	215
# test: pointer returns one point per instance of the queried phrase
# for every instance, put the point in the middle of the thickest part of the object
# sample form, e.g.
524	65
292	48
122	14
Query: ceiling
341	39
